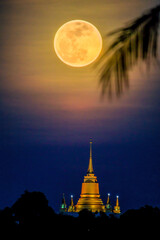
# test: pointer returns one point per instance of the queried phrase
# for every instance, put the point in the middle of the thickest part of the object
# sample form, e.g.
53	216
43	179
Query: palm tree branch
138	40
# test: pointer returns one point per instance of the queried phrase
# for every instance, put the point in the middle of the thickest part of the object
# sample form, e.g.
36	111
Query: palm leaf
138	40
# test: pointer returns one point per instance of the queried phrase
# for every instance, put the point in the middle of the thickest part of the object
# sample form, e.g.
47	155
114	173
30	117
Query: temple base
92	203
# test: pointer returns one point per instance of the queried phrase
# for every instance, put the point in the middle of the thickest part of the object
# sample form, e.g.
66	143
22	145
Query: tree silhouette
31	217
30	206
137	40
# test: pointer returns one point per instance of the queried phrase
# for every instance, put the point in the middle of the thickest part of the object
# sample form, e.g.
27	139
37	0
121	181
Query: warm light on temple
90	197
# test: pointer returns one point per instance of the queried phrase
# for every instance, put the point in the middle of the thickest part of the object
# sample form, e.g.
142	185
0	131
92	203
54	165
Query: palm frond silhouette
137	40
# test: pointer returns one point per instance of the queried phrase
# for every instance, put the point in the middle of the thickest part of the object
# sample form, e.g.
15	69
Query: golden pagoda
90	197
71	208
108	205
117	207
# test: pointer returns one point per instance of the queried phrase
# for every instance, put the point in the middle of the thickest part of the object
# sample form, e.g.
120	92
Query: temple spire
108	205
90	197
63	207
71	207
108	200
117	202
117	207
90	166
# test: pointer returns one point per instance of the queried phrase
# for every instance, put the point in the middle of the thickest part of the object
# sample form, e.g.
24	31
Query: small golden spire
108	205
90	166
71	207
117	202
72	204
108	200
117	207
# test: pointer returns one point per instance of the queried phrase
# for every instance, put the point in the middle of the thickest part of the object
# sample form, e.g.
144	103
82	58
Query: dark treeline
30	216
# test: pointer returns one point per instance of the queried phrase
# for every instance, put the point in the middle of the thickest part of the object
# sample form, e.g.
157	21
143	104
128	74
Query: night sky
49	111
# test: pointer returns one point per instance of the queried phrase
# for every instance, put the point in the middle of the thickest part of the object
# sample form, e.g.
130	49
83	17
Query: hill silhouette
31	216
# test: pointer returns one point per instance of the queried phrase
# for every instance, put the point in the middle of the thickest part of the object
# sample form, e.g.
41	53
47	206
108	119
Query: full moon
77	43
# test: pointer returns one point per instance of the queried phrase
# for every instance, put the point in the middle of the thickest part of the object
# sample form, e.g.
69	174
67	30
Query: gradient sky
48	110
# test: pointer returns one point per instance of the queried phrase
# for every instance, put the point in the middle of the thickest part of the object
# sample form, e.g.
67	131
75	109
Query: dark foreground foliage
31	217
132	44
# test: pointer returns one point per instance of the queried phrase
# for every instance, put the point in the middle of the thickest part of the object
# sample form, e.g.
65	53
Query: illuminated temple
90	197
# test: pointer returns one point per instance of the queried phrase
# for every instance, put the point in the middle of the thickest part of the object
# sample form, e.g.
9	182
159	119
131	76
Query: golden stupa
71	207
117	207
90	197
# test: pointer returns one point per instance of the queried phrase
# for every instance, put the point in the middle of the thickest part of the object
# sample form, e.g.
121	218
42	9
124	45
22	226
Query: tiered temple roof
90	197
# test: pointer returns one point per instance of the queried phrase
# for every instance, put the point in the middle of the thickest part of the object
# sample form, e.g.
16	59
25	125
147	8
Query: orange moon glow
77	43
